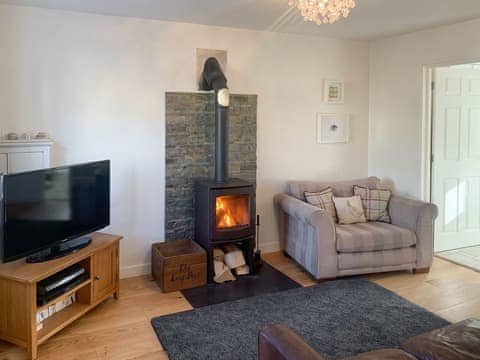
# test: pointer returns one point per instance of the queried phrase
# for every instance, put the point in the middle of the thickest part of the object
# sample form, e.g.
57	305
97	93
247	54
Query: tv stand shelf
65	295
18	291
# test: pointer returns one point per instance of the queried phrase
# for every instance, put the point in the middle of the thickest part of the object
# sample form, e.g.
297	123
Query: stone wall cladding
190	145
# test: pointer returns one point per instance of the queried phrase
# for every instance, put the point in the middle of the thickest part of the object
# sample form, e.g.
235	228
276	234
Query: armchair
328	250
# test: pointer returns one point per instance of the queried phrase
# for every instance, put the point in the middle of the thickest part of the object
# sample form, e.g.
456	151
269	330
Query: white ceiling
371	19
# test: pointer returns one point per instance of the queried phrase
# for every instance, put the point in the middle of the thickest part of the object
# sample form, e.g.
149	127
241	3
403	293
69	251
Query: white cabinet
24	155
25	161
3	164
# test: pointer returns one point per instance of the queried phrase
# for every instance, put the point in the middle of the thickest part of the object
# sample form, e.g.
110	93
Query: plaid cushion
375	203
322	199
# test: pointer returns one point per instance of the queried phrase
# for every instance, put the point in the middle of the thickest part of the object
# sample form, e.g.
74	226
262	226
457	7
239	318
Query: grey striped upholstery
305	246
309	235
369	270
377	259
373	236
300	236
417	216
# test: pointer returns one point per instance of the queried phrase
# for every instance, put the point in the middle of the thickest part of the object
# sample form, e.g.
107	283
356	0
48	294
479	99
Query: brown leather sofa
459	341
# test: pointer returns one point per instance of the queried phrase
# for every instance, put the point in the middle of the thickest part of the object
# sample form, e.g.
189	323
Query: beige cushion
340	188
349	210
375	203
323	200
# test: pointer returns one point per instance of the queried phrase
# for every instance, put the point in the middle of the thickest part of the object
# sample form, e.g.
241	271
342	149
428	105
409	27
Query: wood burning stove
224	208
225	214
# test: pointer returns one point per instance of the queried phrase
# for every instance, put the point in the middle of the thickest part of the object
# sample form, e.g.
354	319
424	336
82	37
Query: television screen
46	207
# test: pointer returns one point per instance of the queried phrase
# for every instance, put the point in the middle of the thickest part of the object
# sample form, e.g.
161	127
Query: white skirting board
271	246
135	270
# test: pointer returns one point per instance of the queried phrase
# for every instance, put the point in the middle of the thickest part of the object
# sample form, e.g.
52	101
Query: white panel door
25	161
456	157
3	164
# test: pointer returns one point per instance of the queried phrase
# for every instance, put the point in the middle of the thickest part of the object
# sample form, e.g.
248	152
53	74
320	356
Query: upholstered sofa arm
303	211
278	342
409	213
307	234
418	216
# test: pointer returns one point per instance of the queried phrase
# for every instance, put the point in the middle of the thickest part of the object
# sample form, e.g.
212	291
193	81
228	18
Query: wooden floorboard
121	330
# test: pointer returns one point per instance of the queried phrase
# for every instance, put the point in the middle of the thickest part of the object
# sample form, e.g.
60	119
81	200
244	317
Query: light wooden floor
121	329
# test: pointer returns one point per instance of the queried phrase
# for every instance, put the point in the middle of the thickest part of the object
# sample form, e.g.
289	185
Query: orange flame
224	214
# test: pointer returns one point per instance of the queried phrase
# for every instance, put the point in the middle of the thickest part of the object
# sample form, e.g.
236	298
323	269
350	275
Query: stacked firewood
228	261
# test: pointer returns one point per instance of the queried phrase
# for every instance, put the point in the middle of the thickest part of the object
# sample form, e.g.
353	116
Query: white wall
396	95
97	84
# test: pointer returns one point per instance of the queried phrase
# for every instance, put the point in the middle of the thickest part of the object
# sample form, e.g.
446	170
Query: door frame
428	72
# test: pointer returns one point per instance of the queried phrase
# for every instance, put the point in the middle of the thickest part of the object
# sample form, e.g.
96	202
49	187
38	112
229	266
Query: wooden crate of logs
179	264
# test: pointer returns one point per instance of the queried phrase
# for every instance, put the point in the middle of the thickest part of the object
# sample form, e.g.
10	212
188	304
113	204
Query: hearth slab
269	280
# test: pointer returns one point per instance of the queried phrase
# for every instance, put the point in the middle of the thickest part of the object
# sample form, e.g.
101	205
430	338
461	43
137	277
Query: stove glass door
232	211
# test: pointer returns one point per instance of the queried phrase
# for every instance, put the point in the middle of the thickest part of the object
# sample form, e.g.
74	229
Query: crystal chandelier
323	11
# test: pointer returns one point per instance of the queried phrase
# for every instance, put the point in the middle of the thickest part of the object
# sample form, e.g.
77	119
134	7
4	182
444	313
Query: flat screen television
46	213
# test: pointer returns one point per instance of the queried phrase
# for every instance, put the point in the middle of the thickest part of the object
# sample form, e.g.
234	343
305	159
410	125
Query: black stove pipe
221	142
213	78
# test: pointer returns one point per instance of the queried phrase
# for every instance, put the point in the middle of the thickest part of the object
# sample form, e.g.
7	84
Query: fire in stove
231	211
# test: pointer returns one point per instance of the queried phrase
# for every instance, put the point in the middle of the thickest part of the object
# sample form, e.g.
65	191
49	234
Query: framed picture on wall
333	128
333	91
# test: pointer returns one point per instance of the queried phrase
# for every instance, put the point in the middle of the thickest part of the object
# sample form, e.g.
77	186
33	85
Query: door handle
97	277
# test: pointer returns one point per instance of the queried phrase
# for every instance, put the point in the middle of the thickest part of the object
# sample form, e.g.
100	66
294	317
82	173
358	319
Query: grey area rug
338	318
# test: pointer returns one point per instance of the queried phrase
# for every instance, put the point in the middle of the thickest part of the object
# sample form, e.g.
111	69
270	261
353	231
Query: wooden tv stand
18	291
